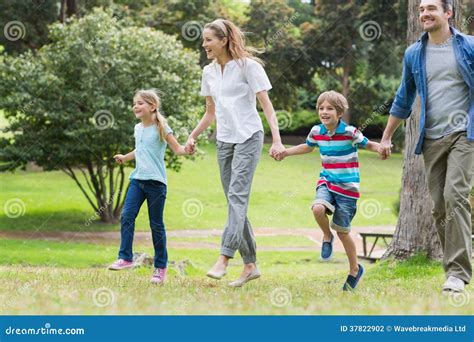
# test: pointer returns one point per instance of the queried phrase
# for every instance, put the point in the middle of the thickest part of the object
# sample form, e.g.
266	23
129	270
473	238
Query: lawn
281	196
39	277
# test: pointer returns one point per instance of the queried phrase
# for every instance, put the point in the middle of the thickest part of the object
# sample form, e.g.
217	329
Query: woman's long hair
235	40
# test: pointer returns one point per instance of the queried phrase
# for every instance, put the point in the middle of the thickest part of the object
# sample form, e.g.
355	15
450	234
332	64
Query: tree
24	24
69	106
344	33
415	231
271	27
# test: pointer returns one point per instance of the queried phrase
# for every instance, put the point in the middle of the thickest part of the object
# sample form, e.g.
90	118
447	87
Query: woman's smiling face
213	46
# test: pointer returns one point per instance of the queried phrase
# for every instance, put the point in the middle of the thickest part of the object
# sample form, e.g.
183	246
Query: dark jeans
155	194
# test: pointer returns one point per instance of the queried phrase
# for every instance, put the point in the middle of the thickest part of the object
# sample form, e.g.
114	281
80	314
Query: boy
337	190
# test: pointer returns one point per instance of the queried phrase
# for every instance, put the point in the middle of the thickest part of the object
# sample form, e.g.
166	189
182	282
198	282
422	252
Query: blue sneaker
326	249
351	281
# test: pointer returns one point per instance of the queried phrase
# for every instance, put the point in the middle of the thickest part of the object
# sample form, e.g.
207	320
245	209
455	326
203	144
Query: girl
147	181
231	85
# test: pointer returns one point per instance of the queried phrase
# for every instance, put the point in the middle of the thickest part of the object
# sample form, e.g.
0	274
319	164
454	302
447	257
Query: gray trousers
237	164
449	165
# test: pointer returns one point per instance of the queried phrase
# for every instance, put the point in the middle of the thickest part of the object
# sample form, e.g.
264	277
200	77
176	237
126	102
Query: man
440	67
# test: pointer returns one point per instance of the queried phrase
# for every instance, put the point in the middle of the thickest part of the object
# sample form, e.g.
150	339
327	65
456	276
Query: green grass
270	241
40	277
281	196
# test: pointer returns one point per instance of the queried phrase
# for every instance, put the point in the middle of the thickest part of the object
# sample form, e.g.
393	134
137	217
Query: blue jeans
155	194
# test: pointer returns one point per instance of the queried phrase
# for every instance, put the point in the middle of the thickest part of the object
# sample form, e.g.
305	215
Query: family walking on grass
439	68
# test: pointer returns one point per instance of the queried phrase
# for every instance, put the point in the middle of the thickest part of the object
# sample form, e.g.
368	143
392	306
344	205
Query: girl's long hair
151	97
235	40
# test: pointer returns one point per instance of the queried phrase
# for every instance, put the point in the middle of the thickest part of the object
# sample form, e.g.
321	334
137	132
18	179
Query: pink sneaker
121	264
159	276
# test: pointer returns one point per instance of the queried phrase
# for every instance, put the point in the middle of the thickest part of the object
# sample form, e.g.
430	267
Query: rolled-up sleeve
406	93
257	77
205	88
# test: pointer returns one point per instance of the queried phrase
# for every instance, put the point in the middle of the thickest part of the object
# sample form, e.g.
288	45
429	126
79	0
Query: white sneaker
453	284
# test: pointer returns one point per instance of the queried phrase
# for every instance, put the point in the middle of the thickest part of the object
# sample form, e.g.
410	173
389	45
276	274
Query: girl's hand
190	147
276	149
120	158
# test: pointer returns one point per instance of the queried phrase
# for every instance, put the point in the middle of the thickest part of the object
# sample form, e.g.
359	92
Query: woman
231	85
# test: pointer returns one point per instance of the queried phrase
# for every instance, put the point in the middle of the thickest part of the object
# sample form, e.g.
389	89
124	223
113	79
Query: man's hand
385	148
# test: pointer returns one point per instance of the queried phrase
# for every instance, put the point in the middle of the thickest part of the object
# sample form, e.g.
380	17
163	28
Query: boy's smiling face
328	115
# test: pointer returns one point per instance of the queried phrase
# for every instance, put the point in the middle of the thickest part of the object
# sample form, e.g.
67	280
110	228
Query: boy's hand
385	148
281	155
276	149
120	158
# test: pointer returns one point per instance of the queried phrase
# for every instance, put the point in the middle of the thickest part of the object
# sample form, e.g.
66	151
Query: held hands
190	146
277	151
385	148
280	156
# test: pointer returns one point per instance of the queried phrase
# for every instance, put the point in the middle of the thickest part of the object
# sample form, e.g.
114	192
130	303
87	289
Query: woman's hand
190	146
276	149
120	158
280	155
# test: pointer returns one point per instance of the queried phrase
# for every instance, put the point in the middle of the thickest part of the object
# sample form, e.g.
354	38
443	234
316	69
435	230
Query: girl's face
141	108
213	46
328	114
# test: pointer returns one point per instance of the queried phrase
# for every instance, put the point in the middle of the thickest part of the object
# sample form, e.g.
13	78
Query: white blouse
234	94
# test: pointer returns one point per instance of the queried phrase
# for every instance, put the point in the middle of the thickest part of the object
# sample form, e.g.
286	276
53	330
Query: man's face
432	15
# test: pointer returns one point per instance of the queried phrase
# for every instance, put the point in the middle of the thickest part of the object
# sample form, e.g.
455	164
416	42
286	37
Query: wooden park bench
383	235
369	246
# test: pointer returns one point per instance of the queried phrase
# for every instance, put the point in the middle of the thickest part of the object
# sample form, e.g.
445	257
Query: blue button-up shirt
414	80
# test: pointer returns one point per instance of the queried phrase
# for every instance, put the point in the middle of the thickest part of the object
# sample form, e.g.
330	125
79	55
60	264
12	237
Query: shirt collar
341	128
229	64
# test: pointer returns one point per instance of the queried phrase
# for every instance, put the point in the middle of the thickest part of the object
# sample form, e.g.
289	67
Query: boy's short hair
334	98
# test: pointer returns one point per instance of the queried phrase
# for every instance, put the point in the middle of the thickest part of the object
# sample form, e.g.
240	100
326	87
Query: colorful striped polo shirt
340	162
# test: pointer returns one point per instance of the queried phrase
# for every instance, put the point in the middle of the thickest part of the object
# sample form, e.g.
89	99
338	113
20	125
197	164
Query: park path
313	234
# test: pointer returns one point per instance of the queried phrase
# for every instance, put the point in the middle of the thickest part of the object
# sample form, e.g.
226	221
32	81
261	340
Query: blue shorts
343	208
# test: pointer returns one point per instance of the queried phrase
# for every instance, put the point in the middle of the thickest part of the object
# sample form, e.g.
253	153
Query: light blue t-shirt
149	153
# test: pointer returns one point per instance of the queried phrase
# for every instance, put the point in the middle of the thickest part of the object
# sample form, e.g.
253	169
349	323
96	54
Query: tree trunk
347	66
67	9
415	231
